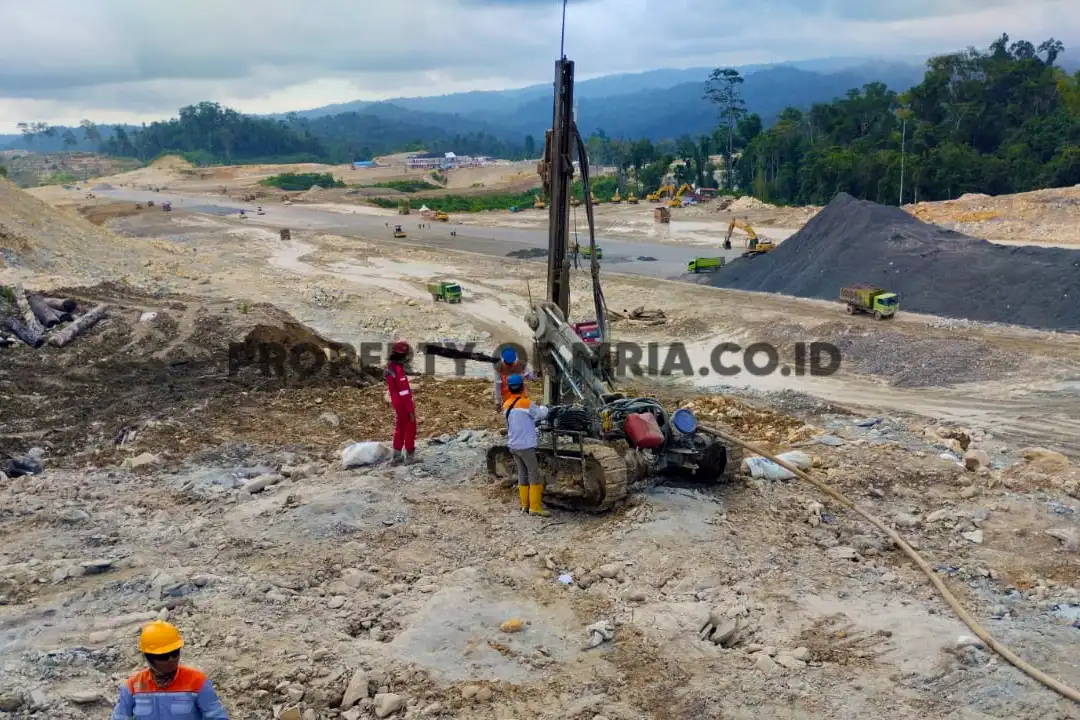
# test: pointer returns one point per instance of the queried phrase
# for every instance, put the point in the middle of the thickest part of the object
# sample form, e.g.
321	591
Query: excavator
657	196
754	245
539	204
597	445
632	199
616	198
676	200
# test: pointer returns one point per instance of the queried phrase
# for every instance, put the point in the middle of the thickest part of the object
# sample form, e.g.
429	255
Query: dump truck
705	264
441	216
869	299
445	290
586	252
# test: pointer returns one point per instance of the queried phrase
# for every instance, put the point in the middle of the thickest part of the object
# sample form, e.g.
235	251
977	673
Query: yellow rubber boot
523	493
536	500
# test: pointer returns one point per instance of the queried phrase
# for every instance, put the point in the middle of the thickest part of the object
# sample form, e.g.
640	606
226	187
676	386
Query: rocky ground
172	489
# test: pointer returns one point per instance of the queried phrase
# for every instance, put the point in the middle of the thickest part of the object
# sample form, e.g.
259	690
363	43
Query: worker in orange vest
508	365
166	689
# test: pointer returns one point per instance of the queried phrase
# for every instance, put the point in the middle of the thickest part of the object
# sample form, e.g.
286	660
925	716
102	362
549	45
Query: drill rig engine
596	445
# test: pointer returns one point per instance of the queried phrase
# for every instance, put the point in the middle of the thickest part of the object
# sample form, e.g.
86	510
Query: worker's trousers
527	467
405	432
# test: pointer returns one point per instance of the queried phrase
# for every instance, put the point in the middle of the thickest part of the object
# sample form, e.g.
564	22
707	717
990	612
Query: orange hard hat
160	638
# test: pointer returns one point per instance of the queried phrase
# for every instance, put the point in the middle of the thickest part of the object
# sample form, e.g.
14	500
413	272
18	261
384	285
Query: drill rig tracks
604	473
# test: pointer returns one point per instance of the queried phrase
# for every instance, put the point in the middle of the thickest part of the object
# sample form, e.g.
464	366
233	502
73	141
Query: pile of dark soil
527	253
935	271
129	369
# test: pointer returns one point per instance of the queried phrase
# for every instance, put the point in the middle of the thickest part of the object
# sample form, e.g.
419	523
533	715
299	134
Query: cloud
66	59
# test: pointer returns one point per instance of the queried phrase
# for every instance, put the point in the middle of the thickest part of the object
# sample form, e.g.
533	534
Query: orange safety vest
504	377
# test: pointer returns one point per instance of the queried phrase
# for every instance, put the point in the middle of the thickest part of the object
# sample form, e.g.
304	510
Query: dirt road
620	255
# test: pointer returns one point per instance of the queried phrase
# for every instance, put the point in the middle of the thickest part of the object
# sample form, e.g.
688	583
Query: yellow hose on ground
1055	685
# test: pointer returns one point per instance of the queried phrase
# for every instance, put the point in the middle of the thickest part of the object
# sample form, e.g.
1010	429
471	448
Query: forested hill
997	121
1005	119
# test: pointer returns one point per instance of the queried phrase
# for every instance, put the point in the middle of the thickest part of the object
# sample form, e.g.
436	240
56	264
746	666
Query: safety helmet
515	382
160	638
400	347
509	356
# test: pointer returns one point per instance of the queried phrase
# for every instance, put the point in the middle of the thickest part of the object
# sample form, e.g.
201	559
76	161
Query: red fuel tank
643	432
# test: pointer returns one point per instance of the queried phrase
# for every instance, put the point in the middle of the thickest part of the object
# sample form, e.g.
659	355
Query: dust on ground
298	579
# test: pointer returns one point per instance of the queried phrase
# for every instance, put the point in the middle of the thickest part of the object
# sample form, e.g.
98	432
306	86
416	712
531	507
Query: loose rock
386	704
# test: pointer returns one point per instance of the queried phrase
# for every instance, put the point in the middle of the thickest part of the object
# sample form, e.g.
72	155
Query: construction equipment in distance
868	299
587	252
755	246
661	215
704	264
398	232
440	216
676	199
403	207
657	196
539	203
446	290
592	198
596	445
575	201
616	198
632	199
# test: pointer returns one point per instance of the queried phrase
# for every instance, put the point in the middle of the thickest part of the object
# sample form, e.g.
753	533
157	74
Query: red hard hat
400	348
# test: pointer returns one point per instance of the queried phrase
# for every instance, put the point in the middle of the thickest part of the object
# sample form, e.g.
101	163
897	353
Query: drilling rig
597	445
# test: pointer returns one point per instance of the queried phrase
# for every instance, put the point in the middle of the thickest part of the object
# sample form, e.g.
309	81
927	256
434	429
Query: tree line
998	121
1001	120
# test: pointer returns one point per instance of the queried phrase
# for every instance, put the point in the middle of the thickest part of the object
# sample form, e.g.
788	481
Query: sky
116	61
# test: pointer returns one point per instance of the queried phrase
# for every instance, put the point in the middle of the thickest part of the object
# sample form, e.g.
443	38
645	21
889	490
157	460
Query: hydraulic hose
1016	661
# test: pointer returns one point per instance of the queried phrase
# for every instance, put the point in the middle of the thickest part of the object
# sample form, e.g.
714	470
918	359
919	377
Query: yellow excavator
632	199
676	200
659	194
441	216
753	244
592	196
539	204
575	200
616	198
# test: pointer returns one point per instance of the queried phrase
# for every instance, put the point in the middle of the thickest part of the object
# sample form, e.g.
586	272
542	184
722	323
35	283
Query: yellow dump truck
441	216
868	299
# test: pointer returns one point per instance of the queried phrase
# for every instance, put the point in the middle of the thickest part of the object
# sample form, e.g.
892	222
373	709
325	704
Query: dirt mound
37	236
934	270
151	359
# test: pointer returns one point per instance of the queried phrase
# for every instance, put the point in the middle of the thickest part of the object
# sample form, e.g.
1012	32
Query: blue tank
684	421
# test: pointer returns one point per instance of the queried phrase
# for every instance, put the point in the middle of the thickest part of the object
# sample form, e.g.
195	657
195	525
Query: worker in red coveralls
399	395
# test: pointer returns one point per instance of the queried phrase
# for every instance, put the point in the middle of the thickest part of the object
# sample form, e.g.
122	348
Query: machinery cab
885	304
589	332
398	232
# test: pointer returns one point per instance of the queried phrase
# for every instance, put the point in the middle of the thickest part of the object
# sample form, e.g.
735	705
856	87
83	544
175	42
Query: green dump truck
869	299
445	290
586	252
705	264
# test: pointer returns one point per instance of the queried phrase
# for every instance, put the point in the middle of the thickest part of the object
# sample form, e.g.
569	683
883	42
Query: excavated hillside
934	270
36	237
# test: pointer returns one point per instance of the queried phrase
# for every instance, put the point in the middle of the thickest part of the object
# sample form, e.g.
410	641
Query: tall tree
723	89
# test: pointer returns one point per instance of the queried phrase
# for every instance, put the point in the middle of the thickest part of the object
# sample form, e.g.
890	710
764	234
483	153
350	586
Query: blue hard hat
515	381
509	356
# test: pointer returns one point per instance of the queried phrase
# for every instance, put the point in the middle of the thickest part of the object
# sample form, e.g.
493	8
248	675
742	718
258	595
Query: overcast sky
134	60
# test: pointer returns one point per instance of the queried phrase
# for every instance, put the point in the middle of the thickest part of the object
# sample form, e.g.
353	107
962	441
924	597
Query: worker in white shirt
521	417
